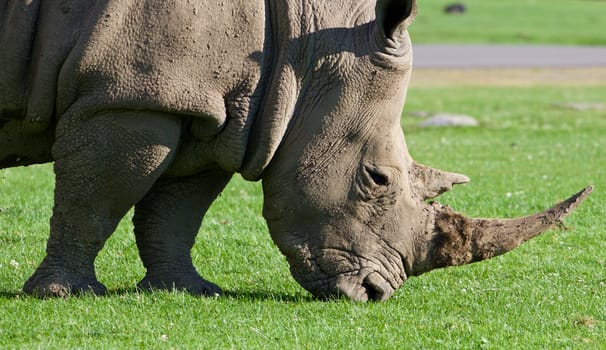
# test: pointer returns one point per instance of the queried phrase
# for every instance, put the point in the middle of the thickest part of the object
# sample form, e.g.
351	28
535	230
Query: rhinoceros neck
281	93
298	33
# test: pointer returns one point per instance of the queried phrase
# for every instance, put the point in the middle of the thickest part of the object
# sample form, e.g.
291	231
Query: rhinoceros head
344	200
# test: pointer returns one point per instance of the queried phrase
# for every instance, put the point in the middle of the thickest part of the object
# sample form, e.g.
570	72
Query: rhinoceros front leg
166	223
103	166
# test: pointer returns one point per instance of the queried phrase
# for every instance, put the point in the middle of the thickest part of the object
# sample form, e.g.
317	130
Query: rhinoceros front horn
453	239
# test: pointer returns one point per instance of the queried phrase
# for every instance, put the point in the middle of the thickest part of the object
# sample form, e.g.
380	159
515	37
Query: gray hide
155	104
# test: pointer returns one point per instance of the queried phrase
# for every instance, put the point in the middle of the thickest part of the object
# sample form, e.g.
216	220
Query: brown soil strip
425	77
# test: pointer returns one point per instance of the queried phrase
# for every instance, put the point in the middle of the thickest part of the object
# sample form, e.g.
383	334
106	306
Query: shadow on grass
268	296
11	295
260	295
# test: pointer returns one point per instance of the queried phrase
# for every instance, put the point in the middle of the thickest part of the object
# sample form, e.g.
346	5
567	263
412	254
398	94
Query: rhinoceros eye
378	177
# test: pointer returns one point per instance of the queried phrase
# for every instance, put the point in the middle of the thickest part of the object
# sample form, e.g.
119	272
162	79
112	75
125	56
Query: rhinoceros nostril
373	292
376	287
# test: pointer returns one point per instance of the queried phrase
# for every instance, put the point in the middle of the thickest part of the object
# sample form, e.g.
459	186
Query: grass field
526	155
573	22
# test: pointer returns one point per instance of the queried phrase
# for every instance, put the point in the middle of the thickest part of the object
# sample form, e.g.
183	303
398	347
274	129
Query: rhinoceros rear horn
453	239
429	182
394	15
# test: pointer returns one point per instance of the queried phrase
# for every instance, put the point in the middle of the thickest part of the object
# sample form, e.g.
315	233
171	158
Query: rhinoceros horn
430	183
451	239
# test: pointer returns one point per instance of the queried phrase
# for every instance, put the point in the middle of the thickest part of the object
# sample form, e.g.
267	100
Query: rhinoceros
156	104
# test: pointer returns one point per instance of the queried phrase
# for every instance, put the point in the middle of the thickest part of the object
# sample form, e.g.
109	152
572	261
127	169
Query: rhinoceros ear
394	16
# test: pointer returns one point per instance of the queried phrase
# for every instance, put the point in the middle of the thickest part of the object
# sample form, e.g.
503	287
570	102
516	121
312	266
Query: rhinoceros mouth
365	281
357	287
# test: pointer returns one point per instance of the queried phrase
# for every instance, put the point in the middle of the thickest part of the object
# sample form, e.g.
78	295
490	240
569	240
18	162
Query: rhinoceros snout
330	273
375	288
370	288
357	287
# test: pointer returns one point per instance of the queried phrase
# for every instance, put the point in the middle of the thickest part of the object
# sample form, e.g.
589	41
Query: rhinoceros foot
190	282
47	283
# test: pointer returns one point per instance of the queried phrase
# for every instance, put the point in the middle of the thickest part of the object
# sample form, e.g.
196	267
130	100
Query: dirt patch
431	77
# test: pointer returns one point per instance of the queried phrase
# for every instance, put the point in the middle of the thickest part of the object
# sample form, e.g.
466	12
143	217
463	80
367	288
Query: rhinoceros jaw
453	239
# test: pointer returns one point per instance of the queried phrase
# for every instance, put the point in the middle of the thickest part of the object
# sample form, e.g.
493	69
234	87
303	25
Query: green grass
549	293
572	22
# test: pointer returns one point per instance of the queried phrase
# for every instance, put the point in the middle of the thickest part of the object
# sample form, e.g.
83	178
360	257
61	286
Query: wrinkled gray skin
155	104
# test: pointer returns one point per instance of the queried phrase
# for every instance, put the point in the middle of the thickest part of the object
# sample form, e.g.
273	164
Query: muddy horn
453	239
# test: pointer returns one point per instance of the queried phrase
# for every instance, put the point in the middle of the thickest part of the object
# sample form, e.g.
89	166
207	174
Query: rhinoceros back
200	60
59	59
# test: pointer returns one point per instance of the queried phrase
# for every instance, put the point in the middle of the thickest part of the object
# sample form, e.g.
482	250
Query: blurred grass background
560	22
